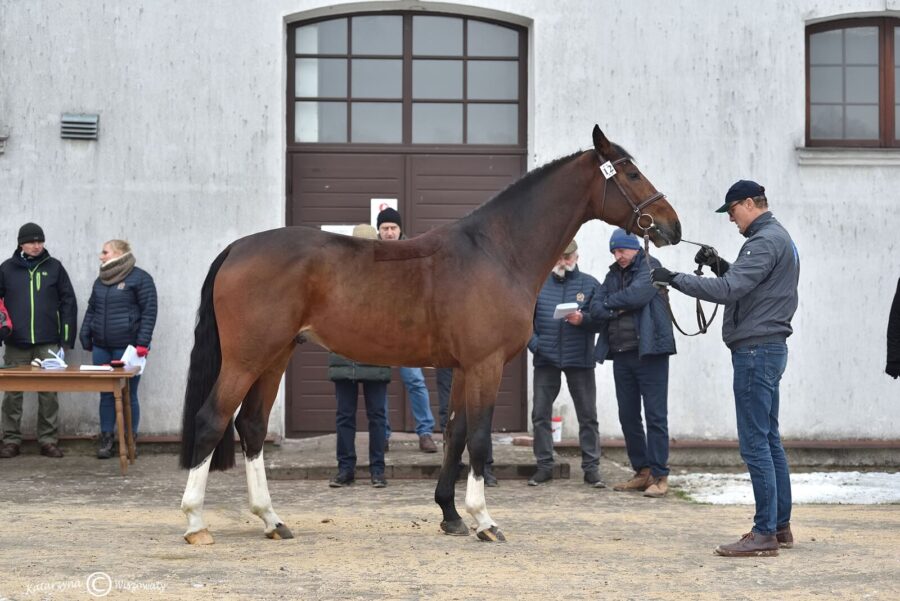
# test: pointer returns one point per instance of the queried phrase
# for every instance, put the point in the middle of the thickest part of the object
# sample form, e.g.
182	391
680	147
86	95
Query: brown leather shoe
9	450
751	545
426	444
639	482
659	486
785	536
51	450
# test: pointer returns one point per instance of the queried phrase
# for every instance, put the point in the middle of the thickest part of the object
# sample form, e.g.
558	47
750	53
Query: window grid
888	104
516	99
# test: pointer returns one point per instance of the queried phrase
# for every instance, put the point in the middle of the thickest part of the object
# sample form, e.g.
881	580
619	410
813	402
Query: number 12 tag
607	169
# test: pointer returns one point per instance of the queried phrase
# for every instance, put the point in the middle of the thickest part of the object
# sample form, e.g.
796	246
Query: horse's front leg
454	443
482	385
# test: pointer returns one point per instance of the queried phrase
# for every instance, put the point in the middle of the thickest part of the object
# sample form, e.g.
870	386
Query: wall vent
79	127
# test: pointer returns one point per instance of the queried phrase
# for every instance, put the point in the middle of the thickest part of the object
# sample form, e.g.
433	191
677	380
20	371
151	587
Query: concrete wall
191	156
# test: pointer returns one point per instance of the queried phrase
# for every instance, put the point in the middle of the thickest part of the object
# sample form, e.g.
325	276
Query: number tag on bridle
607	169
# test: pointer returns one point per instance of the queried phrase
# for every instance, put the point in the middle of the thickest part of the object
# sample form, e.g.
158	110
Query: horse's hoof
281	531
455	528
492	535
201	537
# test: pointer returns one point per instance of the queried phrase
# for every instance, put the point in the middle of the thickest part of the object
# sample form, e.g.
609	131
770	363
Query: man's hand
893	369
662	277
142	351
575	318
707	255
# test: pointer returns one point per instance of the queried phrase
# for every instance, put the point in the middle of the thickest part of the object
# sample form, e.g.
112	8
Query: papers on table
57	361
564	309
131	359
96	368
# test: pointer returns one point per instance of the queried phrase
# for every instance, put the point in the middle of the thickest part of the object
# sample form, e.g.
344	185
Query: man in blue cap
759	291
635	332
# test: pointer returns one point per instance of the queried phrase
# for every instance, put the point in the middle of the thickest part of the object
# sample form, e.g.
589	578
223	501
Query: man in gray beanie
636	333
37	291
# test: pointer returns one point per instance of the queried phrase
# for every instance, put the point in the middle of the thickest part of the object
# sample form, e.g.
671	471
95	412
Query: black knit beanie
30	232
389	215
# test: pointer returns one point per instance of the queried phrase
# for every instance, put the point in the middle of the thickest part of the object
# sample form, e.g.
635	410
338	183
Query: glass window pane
862	45
826	47
437	79
379	122
826	122
378	35
373	78
321	77
437	36
486	39
826	84
492	124
493	80
897	122
862	122
897	84
437	123
326	37
320	122
862	84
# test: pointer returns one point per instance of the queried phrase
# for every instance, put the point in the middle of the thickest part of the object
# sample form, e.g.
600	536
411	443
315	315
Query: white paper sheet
131	359
564	309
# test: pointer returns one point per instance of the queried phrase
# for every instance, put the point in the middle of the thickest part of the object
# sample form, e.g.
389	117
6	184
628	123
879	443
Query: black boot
105	445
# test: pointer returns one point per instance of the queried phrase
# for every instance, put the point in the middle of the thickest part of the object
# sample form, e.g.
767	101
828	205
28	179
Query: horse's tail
206	362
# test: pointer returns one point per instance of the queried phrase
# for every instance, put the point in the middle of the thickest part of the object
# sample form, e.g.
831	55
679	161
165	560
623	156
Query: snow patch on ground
841	488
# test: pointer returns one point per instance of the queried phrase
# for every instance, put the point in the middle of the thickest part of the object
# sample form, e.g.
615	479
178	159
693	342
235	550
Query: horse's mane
514	191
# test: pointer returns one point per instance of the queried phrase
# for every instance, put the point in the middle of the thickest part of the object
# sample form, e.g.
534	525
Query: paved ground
64	520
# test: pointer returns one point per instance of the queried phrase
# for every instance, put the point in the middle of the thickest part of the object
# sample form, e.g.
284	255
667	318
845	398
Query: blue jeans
375	394
101	356
646	378
418	401
757	373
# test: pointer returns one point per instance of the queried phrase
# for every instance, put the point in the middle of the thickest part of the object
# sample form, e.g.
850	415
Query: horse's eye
634	176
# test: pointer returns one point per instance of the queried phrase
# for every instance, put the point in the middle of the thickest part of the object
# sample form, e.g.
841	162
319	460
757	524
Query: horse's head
631	202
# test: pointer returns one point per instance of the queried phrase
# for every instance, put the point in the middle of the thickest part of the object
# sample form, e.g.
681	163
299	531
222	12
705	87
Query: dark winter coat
893	334
40	300
555	342
121	314
341	368
631	291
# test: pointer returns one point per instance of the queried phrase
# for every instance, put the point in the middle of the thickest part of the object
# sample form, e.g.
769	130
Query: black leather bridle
637	208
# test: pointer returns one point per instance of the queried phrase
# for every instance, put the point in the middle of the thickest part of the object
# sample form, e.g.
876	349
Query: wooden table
28	378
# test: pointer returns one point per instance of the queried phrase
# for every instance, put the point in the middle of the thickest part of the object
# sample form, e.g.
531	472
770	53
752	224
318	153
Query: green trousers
48	403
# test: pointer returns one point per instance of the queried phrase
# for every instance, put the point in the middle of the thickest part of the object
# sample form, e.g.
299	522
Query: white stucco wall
191	156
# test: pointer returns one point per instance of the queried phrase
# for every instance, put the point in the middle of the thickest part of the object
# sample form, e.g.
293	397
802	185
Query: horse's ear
601	143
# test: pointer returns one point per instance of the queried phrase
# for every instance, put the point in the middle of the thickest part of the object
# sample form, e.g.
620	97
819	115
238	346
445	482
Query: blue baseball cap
741	190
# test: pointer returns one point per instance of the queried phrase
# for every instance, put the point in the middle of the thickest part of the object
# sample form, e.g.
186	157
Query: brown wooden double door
431	189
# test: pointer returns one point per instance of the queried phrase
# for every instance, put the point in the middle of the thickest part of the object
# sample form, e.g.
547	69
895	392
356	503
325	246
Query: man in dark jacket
42	305
565	345
636	333
759	291
893	338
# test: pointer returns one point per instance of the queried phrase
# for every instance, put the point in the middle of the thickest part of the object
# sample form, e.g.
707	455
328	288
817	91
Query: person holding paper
636	333
42	305
121	312
565	345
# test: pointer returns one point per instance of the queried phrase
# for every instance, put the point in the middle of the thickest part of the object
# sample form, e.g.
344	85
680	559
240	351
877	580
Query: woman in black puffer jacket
121	312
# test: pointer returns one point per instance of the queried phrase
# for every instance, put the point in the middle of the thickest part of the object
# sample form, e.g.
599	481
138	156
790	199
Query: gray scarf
116	270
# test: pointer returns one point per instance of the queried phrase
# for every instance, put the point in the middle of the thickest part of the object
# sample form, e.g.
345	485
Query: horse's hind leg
482	384
251	424
211	422
454	443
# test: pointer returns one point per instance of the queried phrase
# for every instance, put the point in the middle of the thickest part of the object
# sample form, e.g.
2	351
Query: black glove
893	369
662	277
707	255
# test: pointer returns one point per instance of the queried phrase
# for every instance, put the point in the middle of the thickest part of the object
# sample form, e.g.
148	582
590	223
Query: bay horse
461	296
